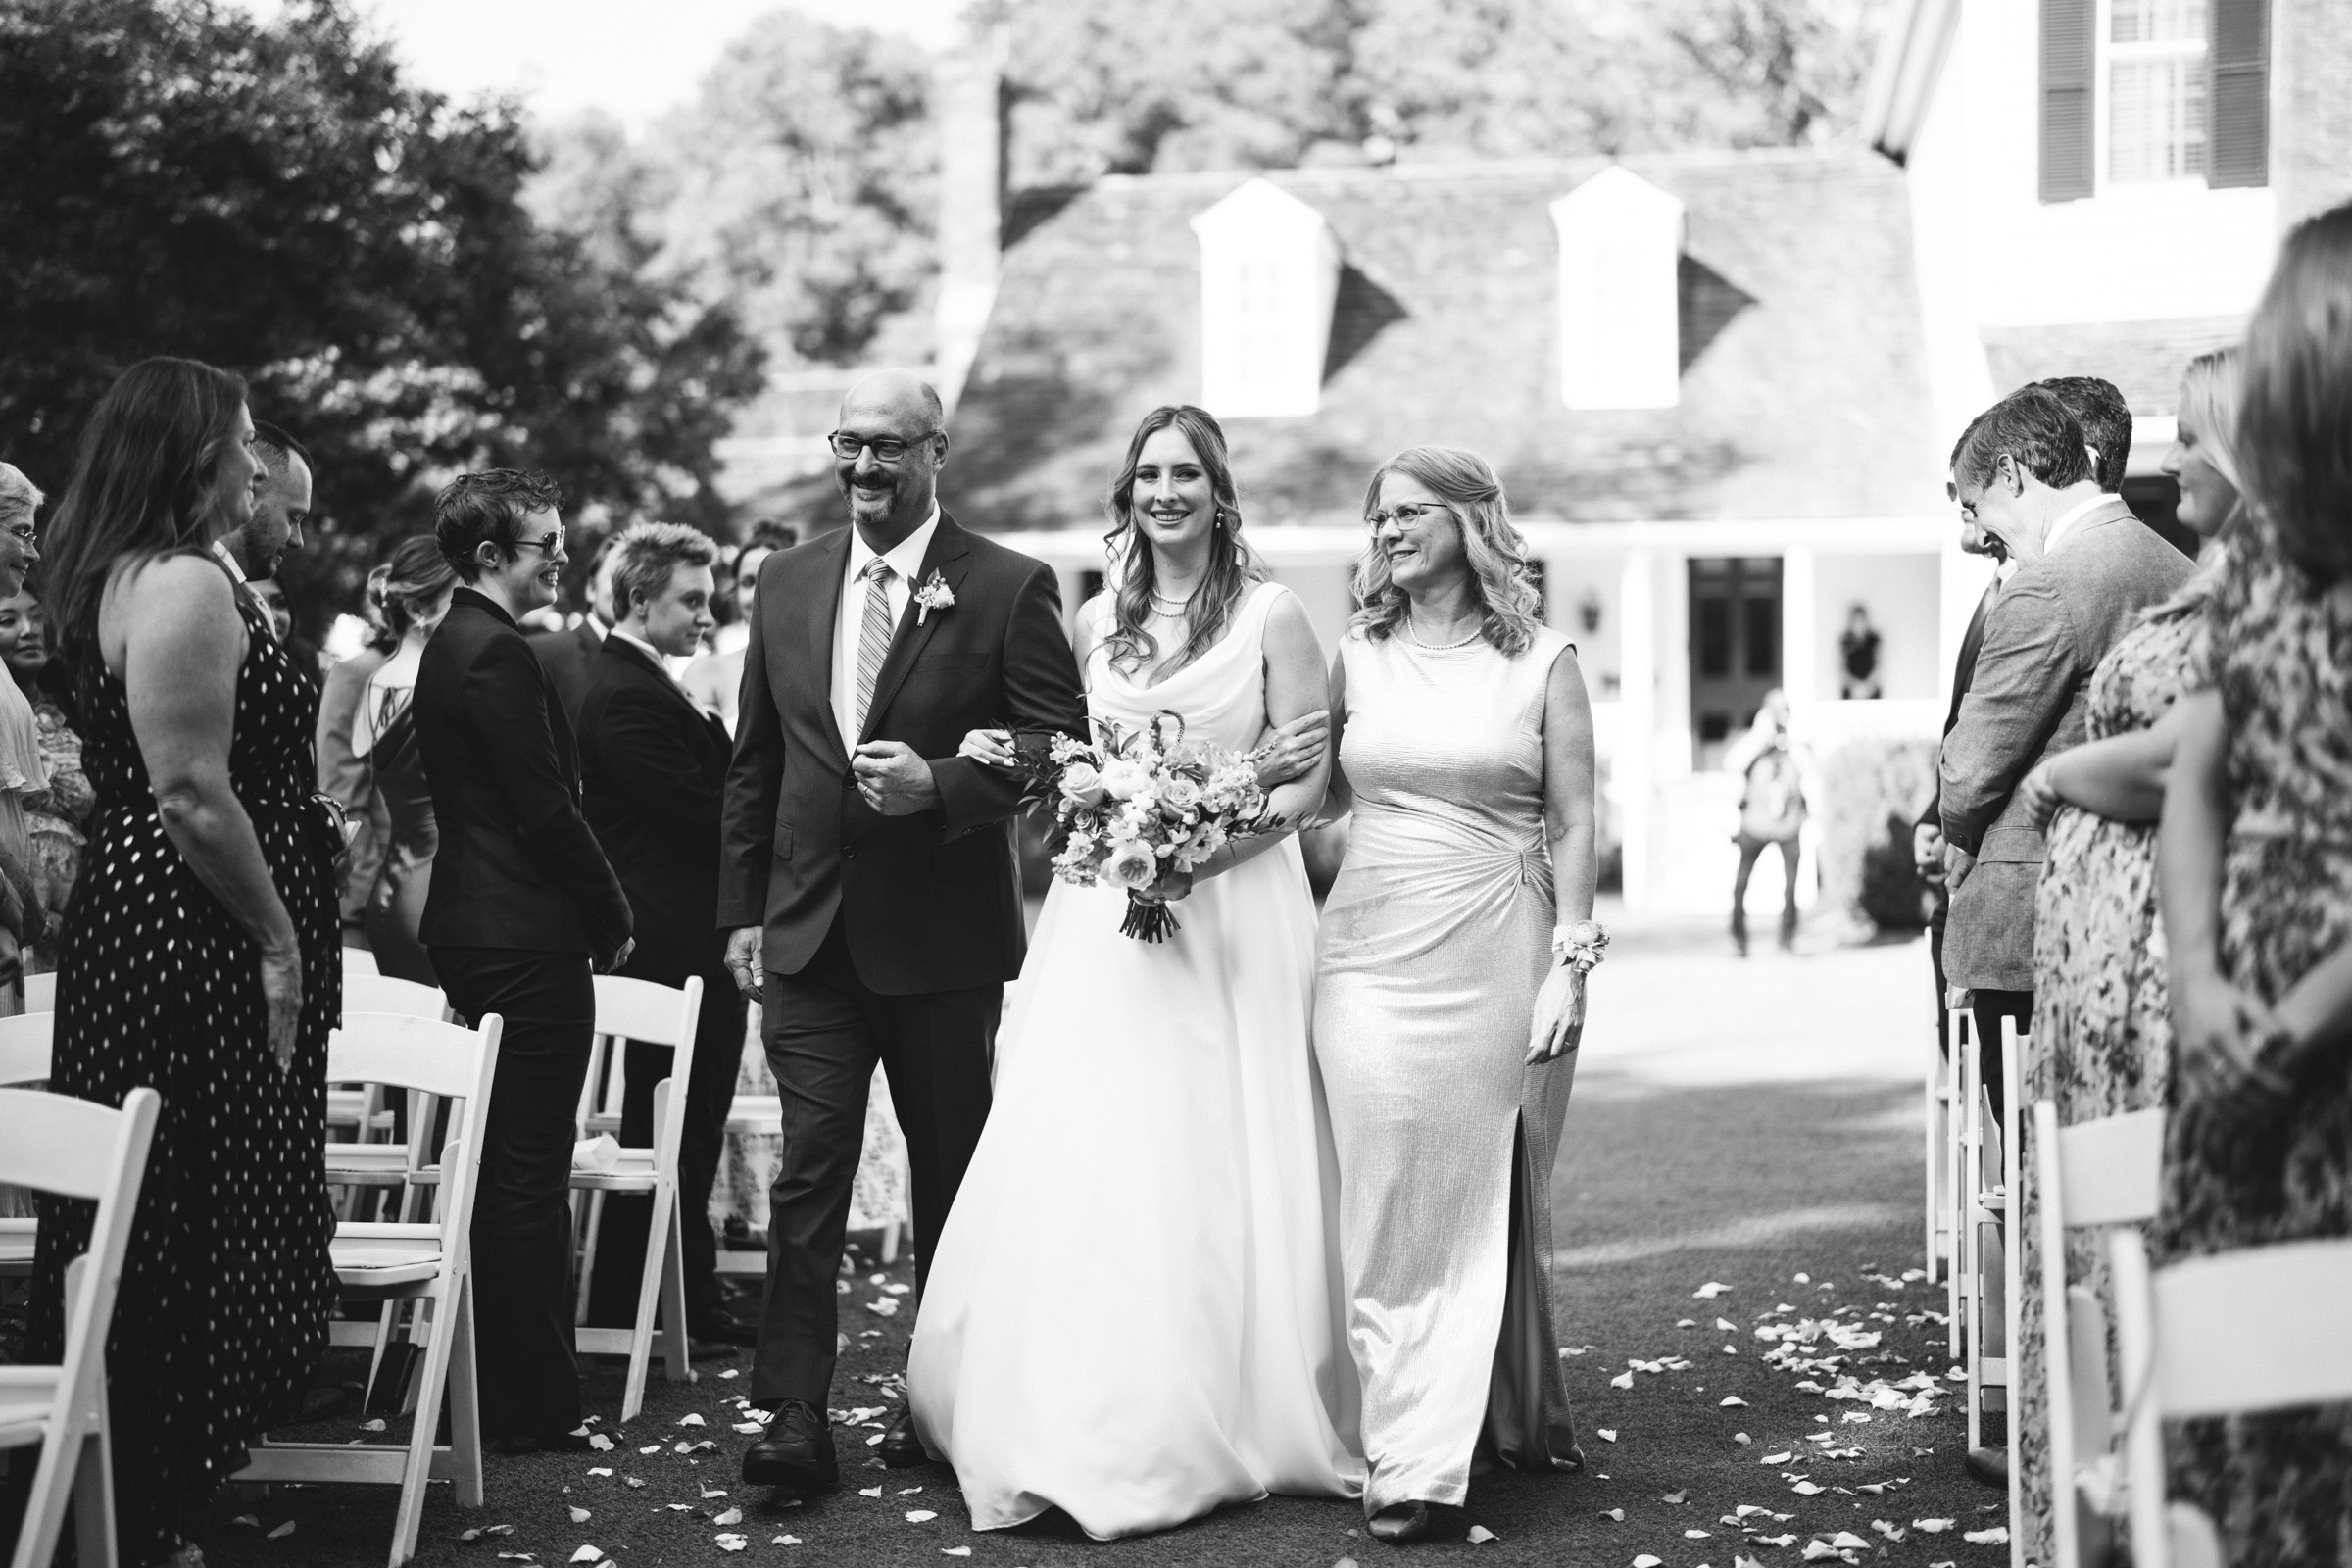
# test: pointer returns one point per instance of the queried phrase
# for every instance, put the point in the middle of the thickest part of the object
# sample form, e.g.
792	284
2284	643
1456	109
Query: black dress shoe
899	1445
1399	1522
1988	1467
796	1451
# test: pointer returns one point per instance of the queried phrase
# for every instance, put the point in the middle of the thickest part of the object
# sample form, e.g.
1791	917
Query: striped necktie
873	634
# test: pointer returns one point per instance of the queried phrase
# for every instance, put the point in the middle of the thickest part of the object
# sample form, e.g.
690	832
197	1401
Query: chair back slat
380	993
24	1048
405	1052
2112	1169
640	1009
358	961
57	1142
2259	1329
40	991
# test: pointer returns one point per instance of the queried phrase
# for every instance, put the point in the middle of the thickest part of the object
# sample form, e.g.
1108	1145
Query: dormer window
1269	272
2141	92
2155	69
1621	247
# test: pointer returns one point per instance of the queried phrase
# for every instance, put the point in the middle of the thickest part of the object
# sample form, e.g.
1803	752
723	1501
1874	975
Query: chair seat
375	1257
366	1164
27	1397
634	1174
756	1113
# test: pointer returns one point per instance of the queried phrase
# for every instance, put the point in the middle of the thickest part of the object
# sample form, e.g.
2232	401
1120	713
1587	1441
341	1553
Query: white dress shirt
906	559
2071	516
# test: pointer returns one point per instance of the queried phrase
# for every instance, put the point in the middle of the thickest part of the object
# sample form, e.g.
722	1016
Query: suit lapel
642	663
830	560
915	629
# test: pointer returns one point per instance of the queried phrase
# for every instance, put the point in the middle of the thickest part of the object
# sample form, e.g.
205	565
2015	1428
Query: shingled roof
1803	389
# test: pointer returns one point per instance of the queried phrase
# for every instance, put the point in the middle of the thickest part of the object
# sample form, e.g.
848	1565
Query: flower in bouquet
1125	779
1132	865
1180	794
1083	782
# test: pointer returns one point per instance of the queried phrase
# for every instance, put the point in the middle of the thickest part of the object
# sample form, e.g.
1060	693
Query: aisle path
1733	1122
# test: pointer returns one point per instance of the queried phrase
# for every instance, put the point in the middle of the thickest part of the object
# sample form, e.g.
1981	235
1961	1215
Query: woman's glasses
1406	515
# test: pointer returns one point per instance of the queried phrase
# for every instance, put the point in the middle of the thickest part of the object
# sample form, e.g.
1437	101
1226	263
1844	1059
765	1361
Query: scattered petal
785	1541
1673	1497
579	1516
1847	1541
601	1470
1712	1289
870	1491
1933	1527
1997	1535
1742	1439
690	1419
1480	1535
635	1481
587	1554
1806	1489
1617	1514
1816	1550
749	1426
713	1492
1685	1322
1781	1457
1605	1433
1646	1560
1731	1399
650	1447
377	1425
599	1443
920	1516
728	1373
733	1516
251	1523
955	1551
1694	1535
1802	1279
1727	1325
1623	1380
283	1531
730	1542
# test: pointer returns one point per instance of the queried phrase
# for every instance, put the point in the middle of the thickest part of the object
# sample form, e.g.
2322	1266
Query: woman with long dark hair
202	958
1158	1099
412	593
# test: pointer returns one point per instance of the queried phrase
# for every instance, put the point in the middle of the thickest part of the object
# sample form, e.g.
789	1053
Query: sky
631	58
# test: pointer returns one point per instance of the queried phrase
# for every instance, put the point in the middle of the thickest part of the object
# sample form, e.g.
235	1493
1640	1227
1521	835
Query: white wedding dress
1135	1313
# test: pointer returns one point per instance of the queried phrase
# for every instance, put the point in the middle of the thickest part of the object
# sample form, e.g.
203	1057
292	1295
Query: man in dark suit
523	910
868	877
2085	567
655	766
569	653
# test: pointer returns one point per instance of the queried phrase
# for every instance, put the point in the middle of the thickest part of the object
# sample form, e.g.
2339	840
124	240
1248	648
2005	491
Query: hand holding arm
1294	664
1570	822
1040	693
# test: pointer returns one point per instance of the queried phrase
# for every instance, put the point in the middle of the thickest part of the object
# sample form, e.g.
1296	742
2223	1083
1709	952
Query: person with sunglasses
523	911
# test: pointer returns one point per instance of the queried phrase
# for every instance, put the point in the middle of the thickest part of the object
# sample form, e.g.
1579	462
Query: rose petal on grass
955	1551
1694	1535
1711	1290
587	1554
377	1425
1847	1541
870	1491
1617	1514
749	1426
1731	1399
785	1541
1646	1560
1742	1439
1806	1489
1623	1380
1605	1433
920	1516
283	1531
1480	1535
1673	1497
1781	1457
601	1470
1933	1527
1816	1550
1997	1535
713	1492
635	1481
650	1447
579	1516
733	1516
1727	1325
730	1542
690	1419
599	1443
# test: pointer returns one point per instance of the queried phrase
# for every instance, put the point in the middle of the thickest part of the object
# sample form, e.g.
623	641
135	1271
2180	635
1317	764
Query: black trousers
824	1030
710	1096
522	1215
1989	1008
1750	849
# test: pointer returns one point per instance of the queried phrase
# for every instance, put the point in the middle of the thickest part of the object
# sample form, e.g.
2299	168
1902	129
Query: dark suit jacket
568	657
2046	634
518	867
929	901
654	769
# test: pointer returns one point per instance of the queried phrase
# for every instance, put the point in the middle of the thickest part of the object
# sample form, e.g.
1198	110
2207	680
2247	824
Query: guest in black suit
522	910
868	875
655	768
568	655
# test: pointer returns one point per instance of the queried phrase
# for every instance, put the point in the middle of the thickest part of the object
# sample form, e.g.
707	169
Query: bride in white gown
1134	1312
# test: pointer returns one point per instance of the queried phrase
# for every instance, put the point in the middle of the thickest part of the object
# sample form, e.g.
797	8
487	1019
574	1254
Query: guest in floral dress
59	815
2102	1040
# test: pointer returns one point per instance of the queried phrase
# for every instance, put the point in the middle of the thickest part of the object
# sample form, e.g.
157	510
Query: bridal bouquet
1139	808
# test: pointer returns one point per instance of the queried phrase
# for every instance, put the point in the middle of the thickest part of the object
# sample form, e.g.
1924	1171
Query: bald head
887	454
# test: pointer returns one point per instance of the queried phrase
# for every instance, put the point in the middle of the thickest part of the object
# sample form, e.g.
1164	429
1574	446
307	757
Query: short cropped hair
2031	425
276	447
2105	418
649	553
20	497
487	507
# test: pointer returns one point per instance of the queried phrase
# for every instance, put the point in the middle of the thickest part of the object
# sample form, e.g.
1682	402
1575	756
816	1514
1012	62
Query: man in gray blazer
2087	568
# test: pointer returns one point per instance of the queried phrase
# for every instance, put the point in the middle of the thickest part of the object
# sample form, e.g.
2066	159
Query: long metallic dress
1434	942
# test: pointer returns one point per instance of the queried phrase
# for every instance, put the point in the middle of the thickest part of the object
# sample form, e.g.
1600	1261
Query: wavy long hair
1134	570
2294	421
142	486
415	575
1500	573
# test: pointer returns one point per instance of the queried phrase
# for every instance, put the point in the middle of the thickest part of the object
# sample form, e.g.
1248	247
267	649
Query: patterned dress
2277	1486
2102	1034
225	1294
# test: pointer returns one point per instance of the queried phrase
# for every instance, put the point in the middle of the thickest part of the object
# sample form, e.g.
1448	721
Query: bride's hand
1559	1022
993	747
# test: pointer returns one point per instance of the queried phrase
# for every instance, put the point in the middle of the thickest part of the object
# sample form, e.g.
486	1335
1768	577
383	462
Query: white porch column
1633	779
1800	658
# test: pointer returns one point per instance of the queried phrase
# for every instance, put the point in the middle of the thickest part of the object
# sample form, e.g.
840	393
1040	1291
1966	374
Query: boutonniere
934	593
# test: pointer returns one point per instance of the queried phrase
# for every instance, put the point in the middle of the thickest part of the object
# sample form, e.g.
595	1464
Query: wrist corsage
1581	945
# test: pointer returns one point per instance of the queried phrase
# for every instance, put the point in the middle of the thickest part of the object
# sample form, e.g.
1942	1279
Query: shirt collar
2071	516
227	557
906	558
641	645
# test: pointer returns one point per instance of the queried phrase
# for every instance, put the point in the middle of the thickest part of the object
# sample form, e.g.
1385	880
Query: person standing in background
347	779
565	655
58	816
1772	811
21	774
654	769
523	911
714	678
411	594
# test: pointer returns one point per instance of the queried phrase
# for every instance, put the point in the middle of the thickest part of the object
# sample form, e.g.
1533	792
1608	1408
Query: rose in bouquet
1140	808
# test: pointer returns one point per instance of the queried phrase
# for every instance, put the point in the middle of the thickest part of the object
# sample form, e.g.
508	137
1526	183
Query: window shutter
2067	55
2239	49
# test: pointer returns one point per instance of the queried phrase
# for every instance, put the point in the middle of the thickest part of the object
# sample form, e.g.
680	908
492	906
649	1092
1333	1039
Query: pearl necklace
1166	607
1443	648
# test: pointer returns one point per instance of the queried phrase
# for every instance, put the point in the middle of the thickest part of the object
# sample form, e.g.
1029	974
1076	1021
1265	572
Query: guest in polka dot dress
202	958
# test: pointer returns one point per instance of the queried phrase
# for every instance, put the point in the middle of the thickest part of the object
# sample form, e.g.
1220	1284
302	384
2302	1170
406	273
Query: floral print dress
2102	1040
2277	1486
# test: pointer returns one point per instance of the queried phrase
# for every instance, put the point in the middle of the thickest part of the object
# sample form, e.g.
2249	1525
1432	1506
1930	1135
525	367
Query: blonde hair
2210	397
1499	572
20	497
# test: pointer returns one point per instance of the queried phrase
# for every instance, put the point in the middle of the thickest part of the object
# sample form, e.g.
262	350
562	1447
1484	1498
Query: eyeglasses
1406	515
550	543
887	447
23	532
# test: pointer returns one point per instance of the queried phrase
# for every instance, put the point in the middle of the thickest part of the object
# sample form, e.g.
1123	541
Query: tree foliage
277	199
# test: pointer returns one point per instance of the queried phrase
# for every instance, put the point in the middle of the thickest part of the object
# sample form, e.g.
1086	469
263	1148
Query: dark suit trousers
710	1096
522	1215
1989	1008
824	1031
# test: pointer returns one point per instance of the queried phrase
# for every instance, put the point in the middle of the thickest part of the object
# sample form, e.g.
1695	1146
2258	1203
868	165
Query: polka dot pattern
226	1296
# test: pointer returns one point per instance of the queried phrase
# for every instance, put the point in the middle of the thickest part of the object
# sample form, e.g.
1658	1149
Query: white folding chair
23	1060
2105	1172
1949	1153
1939	1097
40	991
654	1016
428	1264
2232	1333
1990	1159
358	961
75	1148
364	1162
